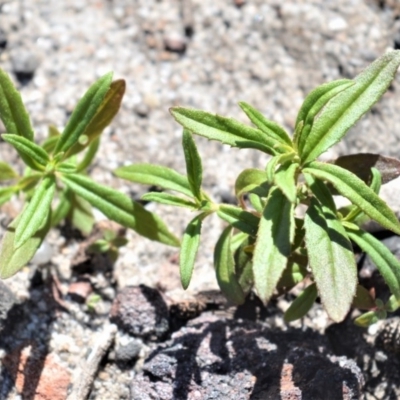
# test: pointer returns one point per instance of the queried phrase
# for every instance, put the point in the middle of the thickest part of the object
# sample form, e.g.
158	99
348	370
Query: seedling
56	169
268	245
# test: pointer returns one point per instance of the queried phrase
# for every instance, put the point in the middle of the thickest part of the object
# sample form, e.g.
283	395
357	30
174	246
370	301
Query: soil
71	313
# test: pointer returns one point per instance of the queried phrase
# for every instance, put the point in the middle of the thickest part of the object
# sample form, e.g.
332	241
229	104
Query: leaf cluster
268	245
55	184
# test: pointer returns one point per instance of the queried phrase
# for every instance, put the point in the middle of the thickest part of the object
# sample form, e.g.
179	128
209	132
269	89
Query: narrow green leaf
34	156
392	304
35	214
7	172
169	199
320	191
105	113
362	163
12	110
89	155
303	303
238	218
29	182
313	104
270	128
224	130
52	138
285	178
189	246
243	263
348	185
250	179
345	109
80	213
257	202
66	167
149	174
225	268
83	113
367	319
194	168
12	259
6	193
387	264
62	209
120	208
331	260
272	248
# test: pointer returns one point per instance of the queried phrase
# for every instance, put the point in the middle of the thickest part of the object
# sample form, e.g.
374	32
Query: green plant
55	169
267	244
109	244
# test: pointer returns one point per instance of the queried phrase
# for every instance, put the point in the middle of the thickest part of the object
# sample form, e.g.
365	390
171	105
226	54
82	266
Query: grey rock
128	351
7	301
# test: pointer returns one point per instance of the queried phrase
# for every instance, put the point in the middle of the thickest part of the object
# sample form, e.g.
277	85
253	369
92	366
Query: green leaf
80	213
270	128
387	264
120	208
66	167
303	303
7	172
36	213
312	105
243	262
194	168
6	193
345	109
272	248
392	304
83	114
12	259
63	207
238	218
89	155
363	299
103	116
33	155
256	202
169	199
149	174
367	319
225	268
362	163
52	138
320	191
29	182
348	185
285	178
224	130
249	180
331	260
293	274
189	246
12	110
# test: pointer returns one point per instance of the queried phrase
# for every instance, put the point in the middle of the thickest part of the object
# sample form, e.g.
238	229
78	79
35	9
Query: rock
7	301
388	338
140	311
36	375
24	63
129	351
225	359
79	291
175	42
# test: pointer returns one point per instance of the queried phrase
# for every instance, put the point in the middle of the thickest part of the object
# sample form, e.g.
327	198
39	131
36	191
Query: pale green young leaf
33	155
120	208
28	182
238	218
331	260
387	264
150	174
272	249
392	304
169	199
52	138
89	155
348	185
225	268
189	247
249	180
270	128
346	108
285	179
7	172
302	304
66	167
194	168
367	319
256	202
35	214
80	213
312	105
12	259
105	113
224	130
63	207
83	114
6	193
12	110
